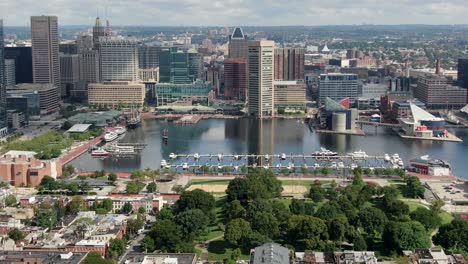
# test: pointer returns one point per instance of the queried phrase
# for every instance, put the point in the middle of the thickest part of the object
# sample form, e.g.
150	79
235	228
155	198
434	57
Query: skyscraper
178	66
289	64
3	113
238	44
98	31
338	86
148	56
10	78
235	79
23	63
261	65
119	59
45	50
69	73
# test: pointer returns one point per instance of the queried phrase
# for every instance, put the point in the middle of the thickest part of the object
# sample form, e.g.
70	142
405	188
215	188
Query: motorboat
333	165
236	168
220	166
305	166
267	157
237	157
266	167
99	152
110	136
324	153
387	157
340	165
358	154
165	134
400	163
316	165
172	156
220	157
353	166
120	130
290	166
185	166
196	156
164	163
283	156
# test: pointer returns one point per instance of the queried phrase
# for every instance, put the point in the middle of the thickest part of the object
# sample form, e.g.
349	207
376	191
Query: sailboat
165	134
135	120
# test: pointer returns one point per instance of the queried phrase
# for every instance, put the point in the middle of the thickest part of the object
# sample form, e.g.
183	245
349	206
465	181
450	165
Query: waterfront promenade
78	150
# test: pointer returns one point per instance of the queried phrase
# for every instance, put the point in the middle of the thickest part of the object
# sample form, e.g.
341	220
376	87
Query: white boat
267	157
185	166
395	166
358	154
236	168
110	136
283	156
120	130
220	166
220	157
353	166
400	163
196	156
316	165
172	156
163	163
290	166
305	166
266	167
333	164
324	153
124	149
99	152
340	165
236	157
387	157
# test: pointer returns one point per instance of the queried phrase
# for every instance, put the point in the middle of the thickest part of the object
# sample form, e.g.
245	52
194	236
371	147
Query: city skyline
241	12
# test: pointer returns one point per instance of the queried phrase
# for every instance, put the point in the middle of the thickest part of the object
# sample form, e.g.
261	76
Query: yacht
236	168
358	154
237	157
220	157
333	164
172	156
196	156
324	153
387	157
283	156
266	167
110	136
290	166
120	130
316	166
99	152
400	163
185	166
267	157
164	163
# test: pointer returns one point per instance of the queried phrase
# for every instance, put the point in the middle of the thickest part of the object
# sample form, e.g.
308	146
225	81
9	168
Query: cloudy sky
240	12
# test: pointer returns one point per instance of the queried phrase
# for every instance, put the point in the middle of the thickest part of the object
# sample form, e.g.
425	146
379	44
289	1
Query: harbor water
249	136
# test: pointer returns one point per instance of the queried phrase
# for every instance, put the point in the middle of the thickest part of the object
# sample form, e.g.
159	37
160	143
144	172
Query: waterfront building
402	109
436	92
149	75
69	73
23	63
148	56
3	113
423	123
22	170
10	78
289	64
119	59
178	66
45	51
167	92
115	93
238	44
235	78
290	95
47	101
338	86
335	117
260	69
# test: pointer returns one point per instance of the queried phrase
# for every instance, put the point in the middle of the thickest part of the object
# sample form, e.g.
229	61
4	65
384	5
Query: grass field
446	217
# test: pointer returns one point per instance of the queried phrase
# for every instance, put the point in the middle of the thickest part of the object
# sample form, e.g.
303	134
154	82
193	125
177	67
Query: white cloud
239	12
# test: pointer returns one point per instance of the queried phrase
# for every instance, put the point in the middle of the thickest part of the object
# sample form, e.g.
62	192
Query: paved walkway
76	152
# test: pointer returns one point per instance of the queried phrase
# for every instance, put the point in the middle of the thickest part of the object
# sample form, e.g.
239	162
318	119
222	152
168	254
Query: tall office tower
338	86
148	56
261	65
84	43
289	64
178	66
436	92
68	47
98	31
3	113
119	59
235	79
69	73
463	73
45	50
238	44
23	63
10	78
89	66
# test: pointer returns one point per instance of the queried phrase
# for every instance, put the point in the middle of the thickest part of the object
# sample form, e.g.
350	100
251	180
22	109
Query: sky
238	12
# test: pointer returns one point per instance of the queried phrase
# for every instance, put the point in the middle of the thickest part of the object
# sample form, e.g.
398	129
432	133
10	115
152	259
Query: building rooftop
271	253
332	105
10	257
141	258
237	33
79	128
421	114
17	153
31	87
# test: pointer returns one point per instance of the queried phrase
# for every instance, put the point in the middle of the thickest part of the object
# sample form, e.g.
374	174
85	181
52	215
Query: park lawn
214	230
446	217
220	250
208	182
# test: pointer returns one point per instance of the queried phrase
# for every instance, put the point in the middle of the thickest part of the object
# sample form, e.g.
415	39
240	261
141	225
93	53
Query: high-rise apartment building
235	78
3	112
238	44
261	67
10	78
338	86
148	56
45	50
289	64
23	63
178	66
436	92
119	59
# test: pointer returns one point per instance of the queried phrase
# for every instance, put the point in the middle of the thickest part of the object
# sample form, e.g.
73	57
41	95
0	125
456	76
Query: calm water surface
266	137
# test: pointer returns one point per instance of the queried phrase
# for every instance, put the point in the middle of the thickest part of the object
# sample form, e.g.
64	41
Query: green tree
196	199
151	187
112	177
16	235
396	209
96	258
359	243
316	193
147	244
165	214
437	205
453	236
257	184
306	230
126	208
116	247
133	225
75	205
141	210
137	175
166	235
337	228
134	187
10	200
237	231
233	210
266	224
414	188
405	236
193	223
372	220
427	218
